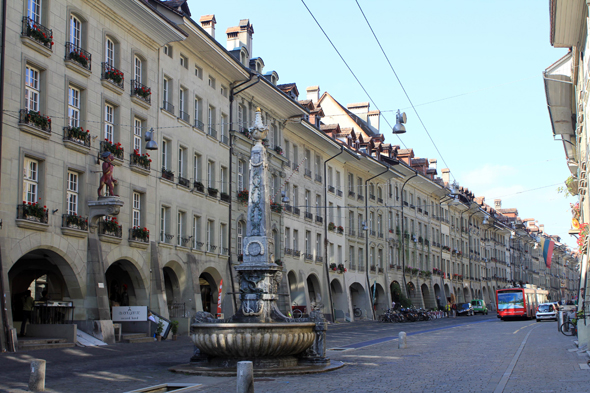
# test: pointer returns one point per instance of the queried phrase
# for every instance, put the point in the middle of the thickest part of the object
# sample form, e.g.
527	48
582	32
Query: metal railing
168	107
53	313
78	55
168	175
296	211
225	140
331	189
142	92
113	75
38	32
77	135
309	215
318	178
184	182
319	219
339	193
28	212
110	229
295	167
199	125
308	173
139	161
212	132
184	116
177	310
74	221
35	119
139	235
116	150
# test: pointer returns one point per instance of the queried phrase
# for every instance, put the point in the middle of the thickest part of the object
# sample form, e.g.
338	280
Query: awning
559	93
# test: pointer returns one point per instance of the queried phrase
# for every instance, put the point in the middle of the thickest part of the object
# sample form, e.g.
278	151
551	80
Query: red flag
219	298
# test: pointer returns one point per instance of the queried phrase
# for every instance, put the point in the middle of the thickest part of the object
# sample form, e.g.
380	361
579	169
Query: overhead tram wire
402	86
349	69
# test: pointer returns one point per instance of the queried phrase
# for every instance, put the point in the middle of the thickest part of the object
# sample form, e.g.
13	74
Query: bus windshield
510	300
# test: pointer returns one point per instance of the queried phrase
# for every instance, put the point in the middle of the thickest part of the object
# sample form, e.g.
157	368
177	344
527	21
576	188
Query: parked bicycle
357	312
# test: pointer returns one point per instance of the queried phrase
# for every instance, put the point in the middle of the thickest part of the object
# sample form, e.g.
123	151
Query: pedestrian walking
393	305
28	305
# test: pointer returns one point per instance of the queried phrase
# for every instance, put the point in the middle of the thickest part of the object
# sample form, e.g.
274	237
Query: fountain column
258	274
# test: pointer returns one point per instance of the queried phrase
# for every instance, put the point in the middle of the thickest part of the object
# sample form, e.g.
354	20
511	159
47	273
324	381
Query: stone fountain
258	331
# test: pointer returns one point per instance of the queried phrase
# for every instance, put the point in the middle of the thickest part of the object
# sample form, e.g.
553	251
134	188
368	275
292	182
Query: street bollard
245	378
401	342
37	378
559	320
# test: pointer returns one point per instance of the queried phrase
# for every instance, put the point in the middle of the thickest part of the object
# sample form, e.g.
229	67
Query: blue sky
495	136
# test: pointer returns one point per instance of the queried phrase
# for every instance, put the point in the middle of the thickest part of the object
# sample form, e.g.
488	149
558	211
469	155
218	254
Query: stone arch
380	301
447	292
339	299
466	295
175	283
43	269
428	303
360	300
297	290
124	273
209	280
72	259
129	254
314	289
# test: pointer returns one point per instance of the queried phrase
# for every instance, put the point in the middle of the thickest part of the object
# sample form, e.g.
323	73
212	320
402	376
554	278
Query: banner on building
547	250
219	298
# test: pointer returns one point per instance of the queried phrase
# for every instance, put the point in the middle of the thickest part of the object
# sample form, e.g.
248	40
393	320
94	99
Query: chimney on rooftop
208	24
446	175
497	204
432	162
313	93
373	120
239	36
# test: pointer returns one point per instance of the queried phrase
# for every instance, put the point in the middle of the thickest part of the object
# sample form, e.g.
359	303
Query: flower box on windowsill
34	123
77	139
36	36
112	78
74	225
32	216
116	149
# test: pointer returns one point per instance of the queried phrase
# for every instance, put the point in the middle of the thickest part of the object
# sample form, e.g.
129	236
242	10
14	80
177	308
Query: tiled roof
207	18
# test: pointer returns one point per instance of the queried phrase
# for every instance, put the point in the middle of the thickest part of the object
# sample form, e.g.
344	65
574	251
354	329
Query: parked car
547	311
464	309
479	305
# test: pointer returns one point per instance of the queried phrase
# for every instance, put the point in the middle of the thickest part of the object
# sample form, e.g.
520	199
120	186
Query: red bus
519	302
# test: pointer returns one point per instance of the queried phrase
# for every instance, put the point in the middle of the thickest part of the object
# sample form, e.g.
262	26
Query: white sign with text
130	314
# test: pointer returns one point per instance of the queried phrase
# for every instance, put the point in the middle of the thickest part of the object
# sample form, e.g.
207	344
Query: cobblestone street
442	356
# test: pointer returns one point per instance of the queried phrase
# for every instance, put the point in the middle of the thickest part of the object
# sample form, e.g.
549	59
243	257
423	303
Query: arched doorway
296	290
447	292
411	291
380	302
466	295
174	282
48	276
339	299
485	295
428	301
122	276
438	296
314	290
209	283
359	299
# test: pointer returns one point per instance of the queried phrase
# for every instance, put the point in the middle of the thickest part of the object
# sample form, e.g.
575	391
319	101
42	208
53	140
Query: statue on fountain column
107	174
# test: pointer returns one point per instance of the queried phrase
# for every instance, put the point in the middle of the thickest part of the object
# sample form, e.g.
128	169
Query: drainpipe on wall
372	300
232	94
326	233
404	236
8	344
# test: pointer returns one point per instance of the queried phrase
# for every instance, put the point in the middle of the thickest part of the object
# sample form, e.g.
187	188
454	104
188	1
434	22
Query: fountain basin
252	340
